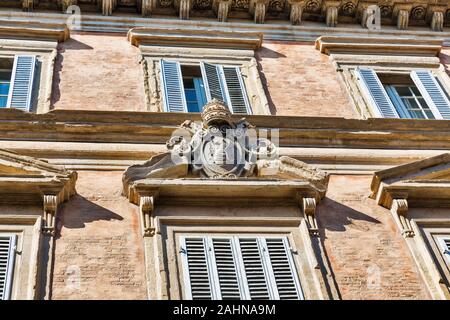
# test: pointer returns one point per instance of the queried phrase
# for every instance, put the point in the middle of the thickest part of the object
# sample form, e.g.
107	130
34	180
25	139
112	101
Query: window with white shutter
7	257
22	80
246	268
444	243
172	87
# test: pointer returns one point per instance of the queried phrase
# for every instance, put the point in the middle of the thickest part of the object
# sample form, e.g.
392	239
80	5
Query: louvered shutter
21	90
172	86
283	269
212	82
235	90
375	93
196	269
225	262
7	257
432	93
258	286
444	243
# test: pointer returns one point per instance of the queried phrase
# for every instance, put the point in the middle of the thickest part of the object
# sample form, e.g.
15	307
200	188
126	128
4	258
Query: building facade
254	149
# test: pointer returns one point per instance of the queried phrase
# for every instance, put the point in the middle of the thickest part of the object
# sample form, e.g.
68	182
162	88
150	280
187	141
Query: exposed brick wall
362	238
98	72
301	81
99	253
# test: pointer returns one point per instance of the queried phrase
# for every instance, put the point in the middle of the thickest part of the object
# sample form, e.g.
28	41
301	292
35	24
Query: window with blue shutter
375	93
22	80
7	258
432	92
245	268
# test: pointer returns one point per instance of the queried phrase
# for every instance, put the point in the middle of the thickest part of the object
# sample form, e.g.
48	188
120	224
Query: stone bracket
50	211
222	8
309	210
108	6
331	10
399	209
67	3
146	207
258	9
296	11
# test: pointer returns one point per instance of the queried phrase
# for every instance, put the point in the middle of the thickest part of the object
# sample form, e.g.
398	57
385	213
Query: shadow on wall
266	53
335	216
79	211
70	44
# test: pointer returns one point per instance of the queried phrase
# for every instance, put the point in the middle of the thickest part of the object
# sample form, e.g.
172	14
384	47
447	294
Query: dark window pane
193	107
5	75
4	88
3	101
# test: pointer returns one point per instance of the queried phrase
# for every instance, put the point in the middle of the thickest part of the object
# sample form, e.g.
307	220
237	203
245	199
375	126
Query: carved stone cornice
34	30
200	38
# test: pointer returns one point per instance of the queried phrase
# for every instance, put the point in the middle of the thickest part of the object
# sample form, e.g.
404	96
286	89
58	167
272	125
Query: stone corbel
371	17
146	7
258	9
50	211
146	206
401	14
221	8
108	6
296	11
184	7
309	210
437	21
331	8
28	5
67	3
399	209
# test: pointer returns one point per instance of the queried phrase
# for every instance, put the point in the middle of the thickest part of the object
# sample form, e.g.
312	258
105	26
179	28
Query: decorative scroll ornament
219	147
50	210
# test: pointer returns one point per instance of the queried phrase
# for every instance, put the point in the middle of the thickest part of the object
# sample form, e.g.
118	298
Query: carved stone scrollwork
108	6
147	220
402	19
437	21
296	11
332	16
28	5
400	209
258	9
50	210
67	3
309	210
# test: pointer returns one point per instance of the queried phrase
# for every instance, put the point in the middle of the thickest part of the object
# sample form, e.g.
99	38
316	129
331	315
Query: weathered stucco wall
98	72
364	244
99	250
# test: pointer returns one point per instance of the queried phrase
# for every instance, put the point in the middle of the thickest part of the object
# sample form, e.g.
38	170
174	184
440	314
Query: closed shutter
444	243
212	82
251	253
196	271
432	93
7	257
239	268
172	86
283	268
227	273
21	90
237	98
375	93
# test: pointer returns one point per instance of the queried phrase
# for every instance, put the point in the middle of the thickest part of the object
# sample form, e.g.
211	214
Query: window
235	268
16	82
187	88
7	256
416	95
444	244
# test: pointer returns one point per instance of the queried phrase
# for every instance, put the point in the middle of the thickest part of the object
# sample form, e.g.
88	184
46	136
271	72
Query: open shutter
172	86
250	251
225	262
444	243
375	93
196	270
7	257
432	93
21	90
283	269
235	90
212	82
